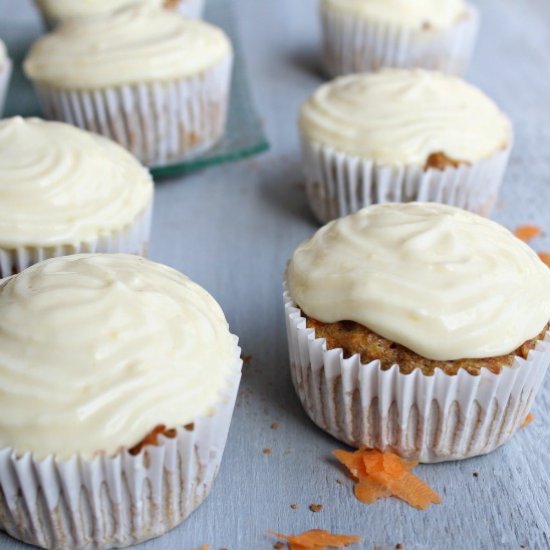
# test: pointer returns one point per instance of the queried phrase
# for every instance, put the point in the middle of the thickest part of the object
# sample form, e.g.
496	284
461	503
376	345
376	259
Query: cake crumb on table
476	474
274	426
294	506
267	451
315	507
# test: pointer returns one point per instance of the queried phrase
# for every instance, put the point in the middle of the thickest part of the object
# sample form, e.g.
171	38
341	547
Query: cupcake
5	74
418	328
118	378
65	191
148	78
402	135
56	11
366	35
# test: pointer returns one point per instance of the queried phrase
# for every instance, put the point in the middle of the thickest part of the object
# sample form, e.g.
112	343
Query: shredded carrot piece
317	539
386	474
545	257
528	419
527	232
368	491
204	547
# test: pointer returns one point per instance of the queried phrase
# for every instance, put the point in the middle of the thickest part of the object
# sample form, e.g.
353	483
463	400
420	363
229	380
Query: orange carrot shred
527	232
545	257
317	539
352	461
368	491
204	547
528	419
386	474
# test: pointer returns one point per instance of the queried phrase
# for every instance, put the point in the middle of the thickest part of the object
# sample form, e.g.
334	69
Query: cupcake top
97	350
62	185
443	282
135	45
416	14
402	116
67	9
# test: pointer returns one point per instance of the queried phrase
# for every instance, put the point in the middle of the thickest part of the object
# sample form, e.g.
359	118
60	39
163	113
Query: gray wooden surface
232	229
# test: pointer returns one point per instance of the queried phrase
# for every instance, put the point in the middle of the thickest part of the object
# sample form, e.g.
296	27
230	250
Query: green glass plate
244	135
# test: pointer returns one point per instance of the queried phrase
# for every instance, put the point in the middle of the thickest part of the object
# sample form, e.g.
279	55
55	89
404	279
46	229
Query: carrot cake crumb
294	506
317	539
476	474
274	426
315	507
267	451
527	232
339	481
278	545
399	546
379	475
246	358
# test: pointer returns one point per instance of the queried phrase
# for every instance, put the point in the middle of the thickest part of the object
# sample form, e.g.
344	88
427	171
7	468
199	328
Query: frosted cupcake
419	328
56	11
5	74
402	135
366	35
124	76
118	379
64	191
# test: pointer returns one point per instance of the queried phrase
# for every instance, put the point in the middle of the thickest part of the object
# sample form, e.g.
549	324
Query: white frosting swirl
97	350
61	10
414	14
60	185
134	45
401	116
443	282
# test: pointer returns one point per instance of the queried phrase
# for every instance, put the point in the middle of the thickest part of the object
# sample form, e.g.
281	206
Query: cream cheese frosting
60	185
66	9
134	45
97	350
401	116
415	14
441	281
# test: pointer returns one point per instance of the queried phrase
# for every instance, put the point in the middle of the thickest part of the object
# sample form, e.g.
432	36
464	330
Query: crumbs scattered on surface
267	451
399	546
528	419
545	257
527	232
316	539
380	475
274	426
315	507
476	474
294	506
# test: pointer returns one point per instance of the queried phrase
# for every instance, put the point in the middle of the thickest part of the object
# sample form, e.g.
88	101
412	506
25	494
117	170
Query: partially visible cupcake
119	378
57	11
402	135
150	79
5	74
366	35
65	191
419	328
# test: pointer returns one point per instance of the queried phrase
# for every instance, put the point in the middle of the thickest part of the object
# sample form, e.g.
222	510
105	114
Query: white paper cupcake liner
111	502
353	45
131	239
432	418
338	184
5	74
160	123
189	8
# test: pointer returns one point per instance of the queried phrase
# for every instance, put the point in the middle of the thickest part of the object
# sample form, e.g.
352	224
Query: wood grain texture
232	229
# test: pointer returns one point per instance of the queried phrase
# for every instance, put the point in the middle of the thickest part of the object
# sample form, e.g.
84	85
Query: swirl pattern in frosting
143	43
415	14
443	282
402	116
60	185
67	9
97	350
